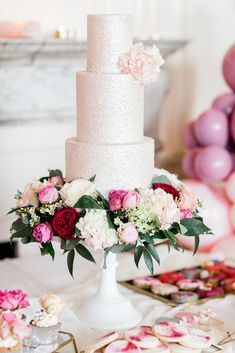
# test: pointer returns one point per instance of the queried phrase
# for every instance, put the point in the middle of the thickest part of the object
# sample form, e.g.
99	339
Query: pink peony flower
13	300
48	194
143	64
43	233
115	199
131	200
129	233
186	214
188	200
56	180
30	196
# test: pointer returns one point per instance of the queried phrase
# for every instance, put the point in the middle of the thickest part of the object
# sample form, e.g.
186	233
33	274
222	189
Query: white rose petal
72	192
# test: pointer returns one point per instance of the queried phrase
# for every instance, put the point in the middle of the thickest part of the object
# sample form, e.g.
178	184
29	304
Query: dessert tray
196	284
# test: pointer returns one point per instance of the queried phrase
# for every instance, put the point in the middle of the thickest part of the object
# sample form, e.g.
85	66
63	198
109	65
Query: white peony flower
72	192
52	304
95	230
172	177
162	205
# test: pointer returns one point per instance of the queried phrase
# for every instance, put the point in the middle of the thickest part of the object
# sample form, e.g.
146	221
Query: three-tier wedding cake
110	109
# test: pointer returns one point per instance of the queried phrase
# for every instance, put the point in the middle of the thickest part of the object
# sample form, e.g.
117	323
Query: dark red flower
167	188
64	222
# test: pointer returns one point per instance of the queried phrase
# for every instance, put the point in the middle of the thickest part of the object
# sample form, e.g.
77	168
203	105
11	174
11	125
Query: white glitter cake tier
115	166
110	108
108	36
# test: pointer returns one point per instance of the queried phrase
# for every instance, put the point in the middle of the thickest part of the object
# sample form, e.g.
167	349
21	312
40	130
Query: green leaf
173	239
55	172
71	243
148	261
153	251
87	202
84	252
121	248
103	199
18	224
48	247
63	244
159	235
21	233
147	238
105	259
162	179
14	210
137	255
28	239
180	228
70	261
196	243
110	222
92	179
195	227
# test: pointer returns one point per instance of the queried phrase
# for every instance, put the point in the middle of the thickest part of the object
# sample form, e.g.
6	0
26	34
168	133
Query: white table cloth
37	275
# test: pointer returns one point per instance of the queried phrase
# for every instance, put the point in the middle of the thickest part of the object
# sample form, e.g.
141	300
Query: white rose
95	230
72	192
52	304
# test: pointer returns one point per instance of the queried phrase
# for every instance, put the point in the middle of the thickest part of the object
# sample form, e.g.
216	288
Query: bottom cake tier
115	166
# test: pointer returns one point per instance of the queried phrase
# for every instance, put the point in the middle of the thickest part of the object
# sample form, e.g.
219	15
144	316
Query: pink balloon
215	214
213	163
188	163
232	216
229	67
189	137
225	246
225	102
212	128
232	126
230	187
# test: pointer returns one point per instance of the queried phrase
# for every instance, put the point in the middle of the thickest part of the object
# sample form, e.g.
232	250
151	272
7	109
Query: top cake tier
108	36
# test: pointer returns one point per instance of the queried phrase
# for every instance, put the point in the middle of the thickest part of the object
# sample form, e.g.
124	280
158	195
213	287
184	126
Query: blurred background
43	44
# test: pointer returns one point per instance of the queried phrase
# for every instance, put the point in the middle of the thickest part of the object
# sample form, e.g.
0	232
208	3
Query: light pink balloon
225	102
213	163
188	163
215	214
230	187
232	126
232	216
225	246
229	67
212	128
189	137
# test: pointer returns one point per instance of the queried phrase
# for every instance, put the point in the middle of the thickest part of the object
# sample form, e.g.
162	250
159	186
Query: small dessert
12	331
184	297
214	265
214	280
204	274
197	338
164	289
210	292
102	342
178	348
145	282
142	336
171	277
229	285
45	326
121	346
193	272
170	332
189	284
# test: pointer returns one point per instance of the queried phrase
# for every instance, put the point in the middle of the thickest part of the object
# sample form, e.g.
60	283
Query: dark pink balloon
229	67
212	128
225	102
188	163
232	126
189	137
213	163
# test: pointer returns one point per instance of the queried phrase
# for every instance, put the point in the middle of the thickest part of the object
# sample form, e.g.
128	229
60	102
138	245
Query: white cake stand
108	309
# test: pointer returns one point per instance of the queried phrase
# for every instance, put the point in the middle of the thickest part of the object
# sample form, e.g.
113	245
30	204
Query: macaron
142	336
212	292
197	338
145	282
189	284
164	289
204	274
121	346
184	297
171	277
178	348
102	342
170	331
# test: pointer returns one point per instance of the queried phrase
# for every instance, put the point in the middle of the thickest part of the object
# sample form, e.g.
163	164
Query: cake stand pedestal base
108	309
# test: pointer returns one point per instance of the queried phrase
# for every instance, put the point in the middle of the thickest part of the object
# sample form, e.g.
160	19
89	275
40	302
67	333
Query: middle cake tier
126	166
110	108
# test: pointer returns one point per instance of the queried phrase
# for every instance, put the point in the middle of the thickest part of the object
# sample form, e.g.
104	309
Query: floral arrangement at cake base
79	216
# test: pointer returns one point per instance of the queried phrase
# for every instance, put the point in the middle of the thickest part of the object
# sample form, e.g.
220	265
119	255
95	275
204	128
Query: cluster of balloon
211	158
211	138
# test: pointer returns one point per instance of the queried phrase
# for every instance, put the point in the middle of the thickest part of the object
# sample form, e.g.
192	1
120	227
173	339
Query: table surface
37	275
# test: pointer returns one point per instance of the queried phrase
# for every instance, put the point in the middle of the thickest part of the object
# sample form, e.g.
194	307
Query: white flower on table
52	304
